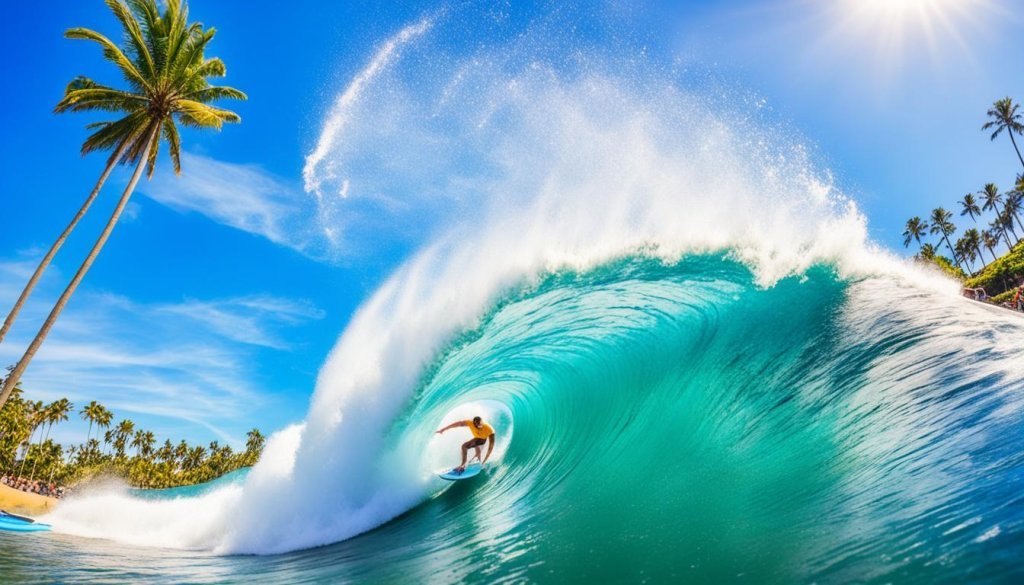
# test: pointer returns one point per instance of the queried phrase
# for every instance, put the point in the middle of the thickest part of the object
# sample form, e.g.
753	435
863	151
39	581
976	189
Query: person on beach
482	433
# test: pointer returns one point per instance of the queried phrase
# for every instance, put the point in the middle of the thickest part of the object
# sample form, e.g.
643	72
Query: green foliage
25	448
1001	275
162	60
946	266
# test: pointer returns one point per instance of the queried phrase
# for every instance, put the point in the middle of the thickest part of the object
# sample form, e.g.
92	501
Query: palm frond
84	94
173	144
216	93
134	34
196	114
112	53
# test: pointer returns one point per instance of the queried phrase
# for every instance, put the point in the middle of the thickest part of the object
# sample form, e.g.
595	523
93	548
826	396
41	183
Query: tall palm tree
1006	221
91	412
36	414
1004	116
969	206
992	200
1012	205
927	252
965	251
56	412
990	242
973	241
124	429
941	224
915	229
167	72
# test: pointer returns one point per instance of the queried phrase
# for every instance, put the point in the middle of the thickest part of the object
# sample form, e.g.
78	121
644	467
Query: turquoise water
678	423
236	477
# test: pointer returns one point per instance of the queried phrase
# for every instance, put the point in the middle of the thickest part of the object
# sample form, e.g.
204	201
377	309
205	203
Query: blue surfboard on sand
15	523
452	475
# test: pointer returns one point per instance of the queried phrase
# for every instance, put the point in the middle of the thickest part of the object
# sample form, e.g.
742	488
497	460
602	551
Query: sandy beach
20	502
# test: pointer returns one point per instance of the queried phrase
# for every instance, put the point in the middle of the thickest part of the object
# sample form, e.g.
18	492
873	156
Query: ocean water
699	365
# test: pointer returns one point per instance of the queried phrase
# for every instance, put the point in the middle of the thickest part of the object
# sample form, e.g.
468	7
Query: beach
20	502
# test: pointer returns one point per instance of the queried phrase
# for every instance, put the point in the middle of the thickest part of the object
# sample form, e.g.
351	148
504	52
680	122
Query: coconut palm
124	429
1006	222
964	250
992	200
1004	116
163	61
91	412
1012	205
990	241
56	412
941	224
973	241
914	230
969	206
927	252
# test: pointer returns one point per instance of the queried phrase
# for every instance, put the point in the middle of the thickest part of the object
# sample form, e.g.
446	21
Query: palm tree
968	206
1004	116
36	414
927	252
992	200
941	224
990	241
91	412
167	73
914	230
1006	221
973	239
124	429
965	251
1013	204
103	419
56	412
137	439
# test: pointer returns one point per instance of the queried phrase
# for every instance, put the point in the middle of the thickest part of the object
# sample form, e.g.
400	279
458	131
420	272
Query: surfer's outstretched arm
458	423
490	447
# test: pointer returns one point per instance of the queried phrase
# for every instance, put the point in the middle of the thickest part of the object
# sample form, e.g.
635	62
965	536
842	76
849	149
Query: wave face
698	365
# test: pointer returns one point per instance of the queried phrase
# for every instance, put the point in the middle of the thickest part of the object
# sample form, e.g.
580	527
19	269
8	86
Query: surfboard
15	523
451	475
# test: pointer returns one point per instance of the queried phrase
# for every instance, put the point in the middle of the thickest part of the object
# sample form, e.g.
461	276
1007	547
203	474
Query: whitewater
698	364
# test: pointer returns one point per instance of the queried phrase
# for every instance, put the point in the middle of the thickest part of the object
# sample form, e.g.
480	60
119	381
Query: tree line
120	448
1006	207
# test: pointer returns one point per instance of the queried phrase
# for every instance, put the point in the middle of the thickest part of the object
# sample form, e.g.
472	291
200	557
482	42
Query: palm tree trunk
1010	132
58	243
951	251
981	257
32	474
29	448
33	347
1009	247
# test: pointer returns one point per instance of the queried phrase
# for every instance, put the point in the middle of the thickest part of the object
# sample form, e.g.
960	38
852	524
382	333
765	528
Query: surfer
482	433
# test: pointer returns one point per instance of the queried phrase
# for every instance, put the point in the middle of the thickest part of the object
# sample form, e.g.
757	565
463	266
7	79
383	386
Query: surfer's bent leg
470	444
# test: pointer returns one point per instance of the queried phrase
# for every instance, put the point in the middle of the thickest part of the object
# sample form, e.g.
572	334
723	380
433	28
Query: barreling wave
698	365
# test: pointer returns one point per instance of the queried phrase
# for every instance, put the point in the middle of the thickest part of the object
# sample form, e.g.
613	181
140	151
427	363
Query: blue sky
213	305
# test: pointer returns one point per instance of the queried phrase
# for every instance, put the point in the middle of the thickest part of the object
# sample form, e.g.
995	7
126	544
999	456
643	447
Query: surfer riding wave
482	433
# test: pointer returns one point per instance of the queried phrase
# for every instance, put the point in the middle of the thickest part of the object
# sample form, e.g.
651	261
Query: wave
697	361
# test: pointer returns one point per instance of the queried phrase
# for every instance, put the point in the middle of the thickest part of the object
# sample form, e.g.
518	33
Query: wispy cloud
243	196
193	362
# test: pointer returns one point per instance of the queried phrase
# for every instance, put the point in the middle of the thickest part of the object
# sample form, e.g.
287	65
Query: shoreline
19	502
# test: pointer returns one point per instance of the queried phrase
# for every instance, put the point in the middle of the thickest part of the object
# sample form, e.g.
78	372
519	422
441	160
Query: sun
890	34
